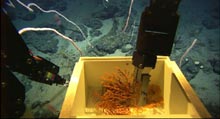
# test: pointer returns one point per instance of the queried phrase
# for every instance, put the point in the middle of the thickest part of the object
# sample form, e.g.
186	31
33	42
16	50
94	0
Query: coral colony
120	94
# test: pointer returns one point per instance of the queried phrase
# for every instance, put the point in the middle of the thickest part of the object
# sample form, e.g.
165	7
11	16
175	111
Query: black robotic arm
15	56
156	34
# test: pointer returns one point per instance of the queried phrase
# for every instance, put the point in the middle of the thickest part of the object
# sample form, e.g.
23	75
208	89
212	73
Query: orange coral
119	93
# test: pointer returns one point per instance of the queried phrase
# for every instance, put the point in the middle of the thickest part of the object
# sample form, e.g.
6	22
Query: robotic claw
16	57
155	37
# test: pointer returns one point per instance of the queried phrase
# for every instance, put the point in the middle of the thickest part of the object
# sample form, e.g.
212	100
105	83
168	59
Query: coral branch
55	31
187	51
51	11
120	94
129	14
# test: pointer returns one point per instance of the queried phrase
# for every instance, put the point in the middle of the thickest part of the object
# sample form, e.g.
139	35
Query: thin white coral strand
129	13
186	52
50	11
51	29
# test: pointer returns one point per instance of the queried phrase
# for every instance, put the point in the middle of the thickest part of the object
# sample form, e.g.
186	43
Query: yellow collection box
179	99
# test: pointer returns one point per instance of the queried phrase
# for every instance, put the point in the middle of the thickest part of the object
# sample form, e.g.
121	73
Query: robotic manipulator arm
15	56
155	37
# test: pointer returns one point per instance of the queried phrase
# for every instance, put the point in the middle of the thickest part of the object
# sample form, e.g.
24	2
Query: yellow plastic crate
180	100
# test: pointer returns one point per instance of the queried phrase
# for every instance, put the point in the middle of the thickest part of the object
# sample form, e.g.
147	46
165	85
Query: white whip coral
129	13
186	52
51	29
51	11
